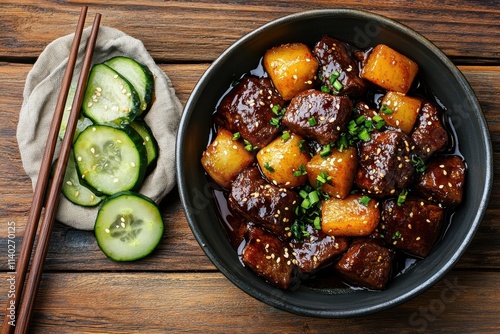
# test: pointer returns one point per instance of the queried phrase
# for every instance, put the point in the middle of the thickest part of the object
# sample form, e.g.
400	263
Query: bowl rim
438	274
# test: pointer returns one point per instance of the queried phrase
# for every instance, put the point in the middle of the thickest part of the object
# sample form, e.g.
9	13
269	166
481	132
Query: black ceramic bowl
363	30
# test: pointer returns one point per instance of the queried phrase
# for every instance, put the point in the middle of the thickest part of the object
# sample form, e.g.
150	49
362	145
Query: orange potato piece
292	68
389	69
341	166
348	217
225	158
280	159
401	110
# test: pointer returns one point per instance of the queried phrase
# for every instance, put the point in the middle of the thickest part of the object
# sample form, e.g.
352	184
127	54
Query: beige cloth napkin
40	96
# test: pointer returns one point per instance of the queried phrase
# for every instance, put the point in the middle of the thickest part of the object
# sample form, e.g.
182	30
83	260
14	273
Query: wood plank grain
208	302
198	31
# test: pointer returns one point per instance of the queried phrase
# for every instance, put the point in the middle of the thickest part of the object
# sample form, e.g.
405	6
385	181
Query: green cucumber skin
154	148
100	226
119	64
137	140
89	105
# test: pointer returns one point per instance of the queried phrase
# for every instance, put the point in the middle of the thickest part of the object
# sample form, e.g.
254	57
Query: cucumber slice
82	123
109	159
109	97
128	226
149	141
73	190
138	75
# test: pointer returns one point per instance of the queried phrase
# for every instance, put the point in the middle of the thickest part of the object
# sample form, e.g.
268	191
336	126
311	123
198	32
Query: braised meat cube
366	263
262	203
269	258
317	249
413	226
248	109
429	135
335	61
385	165
443	180
317	115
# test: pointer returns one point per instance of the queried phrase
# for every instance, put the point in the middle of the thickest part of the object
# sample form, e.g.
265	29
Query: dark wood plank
207	302
198	31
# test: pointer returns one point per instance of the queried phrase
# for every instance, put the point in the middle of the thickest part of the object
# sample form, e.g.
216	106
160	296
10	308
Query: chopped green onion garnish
402	197
419	163
322	178
364	200
397	235
325	89
326	150
337	85
300	171
301	145
364	135
313	197
386	110
312	121
303	193
317	223
285	136
334	76
248	146
306	203
236	136
268	167
276	109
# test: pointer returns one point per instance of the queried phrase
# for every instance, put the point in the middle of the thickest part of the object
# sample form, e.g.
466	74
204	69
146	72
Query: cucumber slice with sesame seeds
128	226
110	160
149	141
73	190
109	97
138	75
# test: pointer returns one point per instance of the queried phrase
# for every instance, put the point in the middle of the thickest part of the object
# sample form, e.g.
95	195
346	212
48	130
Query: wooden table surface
178	289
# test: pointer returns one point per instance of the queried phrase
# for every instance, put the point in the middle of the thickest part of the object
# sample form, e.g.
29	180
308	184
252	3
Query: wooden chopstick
23	302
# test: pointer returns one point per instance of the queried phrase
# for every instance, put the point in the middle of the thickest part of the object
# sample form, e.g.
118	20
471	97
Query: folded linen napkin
40	96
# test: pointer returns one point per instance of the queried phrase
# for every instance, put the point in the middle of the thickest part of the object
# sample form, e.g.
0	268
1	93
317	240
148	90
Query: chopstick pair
19	308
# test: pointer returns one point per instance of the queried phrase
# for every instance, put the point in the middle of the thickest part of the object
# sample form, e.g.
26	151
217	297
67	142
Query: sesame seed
417	238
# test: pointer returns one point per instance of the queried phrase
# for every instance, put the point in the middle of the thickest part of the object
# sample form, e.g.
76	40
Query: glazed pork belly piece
269	257
317	249
443	180
248	109
385	165
262	203
413	226
429	133
335	59
318	116
366	263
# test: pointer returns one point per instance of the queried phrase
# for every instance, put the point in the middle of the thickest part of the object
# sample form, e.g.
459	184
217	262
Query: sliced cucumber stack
110	160
109	97
128	226
138	75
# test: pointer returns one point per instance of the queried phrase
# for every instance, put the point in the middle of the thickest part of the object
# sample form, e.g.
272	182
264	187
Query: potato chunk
400	111
283	161
340	167
225	158
389	69
351	216
292	68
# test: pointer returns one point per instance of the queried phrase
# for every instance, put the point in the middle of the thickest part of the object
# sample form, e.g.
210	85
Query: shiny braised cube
336	60
248	109
317	249
400	111
318	116
262	203
352	216
367	264
269	258
389	69
429	134
292	68
339	166
385	164
225	158
443	180
414	226
283	161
